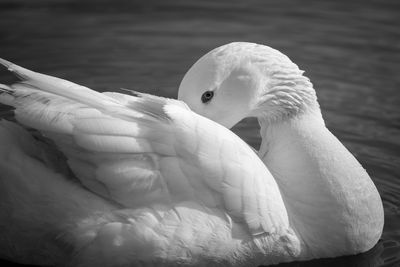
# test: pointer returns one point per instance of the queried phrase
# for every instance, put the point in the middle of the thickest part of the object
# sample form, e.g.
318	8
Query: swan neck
275	132
332	204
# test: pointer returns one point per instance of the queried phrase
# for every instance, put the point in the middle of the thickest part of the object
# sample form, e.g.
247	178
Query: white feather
106	179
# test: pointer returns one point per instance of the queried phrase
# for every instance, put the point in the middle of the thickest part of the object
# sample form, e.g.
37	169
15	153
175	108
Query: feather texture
109	179
140	150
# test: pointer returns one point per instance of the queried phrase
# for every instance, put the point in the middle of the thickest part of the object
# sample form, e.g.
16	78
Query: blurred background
349	49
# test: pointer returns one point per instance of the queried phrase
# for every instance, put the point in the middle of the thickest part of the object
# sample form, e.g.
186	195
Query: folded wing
142	150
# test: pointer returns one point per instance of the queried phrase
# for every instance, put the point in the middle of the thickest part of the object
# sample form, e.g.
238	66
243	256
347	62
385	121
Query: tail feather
5	63
59	86
5	88
6	96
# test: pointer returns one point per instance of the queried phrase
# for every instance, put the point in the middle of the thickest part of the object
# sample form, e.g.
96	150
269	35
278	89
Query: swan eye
207	96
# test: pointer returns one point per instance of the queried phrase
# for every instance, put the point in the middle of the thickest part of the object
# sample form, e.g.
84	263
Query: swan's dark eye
207	96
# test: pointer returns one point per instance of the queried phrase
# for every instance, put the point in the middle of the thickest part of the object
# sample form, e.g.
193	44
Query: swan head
241	79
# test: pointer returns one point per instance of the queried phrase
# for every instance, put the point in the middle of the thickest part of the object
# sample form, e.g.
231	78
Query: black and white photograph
200	133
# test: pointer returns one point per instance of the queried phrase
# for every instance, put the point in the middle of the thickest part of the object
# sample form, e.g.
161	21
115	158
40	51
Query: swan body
109	179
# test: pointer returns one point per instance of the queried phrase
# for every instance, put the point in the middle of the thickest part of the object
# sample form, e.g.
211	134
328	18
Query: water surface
349	49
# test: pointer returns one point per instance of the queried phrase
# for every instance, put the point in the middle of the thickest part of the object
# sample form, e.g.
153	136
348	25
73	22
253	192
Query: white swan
173	187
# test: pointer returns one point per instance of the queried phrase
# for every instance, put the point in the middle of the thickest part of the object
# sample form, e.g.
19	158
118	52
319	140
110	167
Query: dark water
349	49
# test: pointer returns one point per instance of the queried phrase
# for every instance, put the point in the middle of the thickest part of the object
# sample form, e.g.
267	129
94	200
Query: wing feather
143	149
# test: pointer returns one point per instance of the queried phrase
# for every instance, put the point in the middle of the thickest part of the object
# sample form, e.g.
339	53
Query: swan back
165	166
